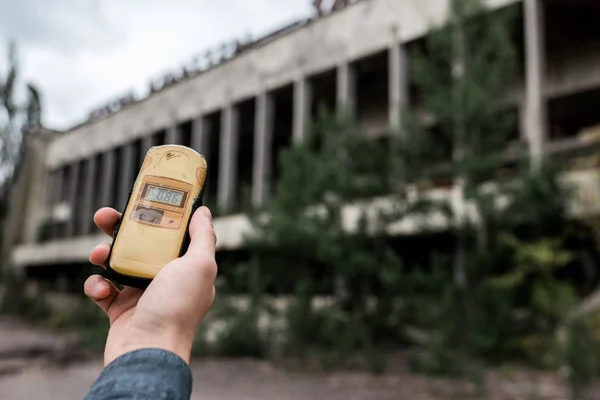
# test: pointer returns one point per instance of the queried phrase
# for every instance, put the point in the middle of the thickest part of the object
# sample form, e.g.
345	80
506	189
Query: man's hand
167	314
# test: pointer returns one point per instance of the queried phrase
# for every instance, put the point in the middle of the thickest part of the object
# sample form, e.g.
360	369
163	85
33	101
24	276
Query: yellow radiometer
154	226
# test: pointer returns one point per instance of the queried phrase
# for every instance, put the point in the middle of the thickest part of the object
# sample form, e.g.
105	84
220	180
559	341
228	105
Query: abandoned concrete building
242	112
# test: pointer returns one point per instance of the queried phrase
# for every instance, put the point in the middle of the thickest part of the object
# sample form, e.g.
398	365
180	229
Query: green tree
462	76
503	225
322	234
17	118
336	218
20	116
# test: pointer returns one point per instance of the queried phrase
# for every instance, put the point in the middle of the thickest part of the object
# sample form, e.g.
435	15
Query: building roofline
263	40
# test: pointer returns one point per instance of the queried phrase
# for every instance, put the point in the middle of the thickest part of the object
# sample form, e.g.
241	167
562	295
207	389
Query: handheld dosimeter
154	227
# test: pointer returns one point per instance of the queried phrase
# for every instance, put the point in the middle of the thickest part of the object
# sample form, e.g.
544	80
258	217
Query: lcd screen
166	196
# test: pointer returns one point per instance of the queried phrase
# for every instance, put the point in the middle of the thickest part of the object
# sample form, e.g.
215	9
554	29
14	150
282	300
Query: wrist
174	341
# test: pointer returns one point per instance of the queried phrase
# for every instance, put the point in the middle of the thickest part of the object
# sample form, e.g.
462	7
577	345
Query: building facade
241	113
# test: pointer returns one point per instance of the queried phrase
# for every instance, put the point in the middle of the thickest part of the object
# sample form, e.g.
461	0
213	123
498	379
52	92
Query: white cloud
82	53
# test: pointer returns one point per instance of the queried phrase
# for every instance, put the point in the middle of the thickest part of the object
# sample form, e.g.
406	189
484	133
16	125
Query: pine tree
497	219
463	77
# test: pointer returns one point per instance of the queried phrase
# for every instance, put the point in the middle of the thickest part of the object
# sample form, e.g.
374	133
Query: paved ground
39	365
249	380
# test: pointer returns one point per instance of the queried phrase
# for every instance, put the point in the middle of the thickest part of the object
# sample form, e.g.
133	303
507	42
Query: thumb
201	251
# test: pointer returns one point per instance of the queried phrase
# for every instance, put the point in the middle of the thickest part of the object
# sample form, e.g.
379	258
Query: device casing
154	227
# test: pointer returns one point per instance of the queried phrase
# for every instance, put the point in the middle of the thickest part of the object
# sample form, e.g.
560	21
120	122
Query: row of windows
69	185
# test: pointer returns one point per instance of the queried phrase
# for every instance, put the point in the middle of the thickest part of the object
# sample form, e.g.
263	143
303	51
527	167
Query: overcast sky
82	53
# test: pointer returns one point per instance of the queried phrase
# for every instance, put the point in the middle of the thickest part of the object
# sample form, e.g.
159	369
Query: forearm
146	373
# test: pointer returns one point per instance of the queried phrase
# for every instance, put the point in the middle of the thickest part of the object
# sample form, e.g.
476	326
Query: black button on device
118	225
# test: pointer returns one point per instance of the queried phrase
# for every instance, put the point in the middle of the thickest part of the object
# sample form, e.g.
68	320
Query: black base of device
126	280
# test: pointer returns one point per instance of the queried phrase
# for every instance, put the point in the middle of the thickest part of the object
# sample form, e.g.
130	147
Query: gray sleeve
144	374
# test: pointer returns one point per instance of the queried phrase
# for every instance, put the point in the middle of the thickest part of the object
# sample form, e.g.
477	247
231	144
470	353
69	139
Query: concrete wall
27	202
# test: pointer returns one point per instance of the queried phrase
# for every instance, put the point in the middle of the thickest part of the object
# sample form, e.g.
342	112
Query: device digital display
167	196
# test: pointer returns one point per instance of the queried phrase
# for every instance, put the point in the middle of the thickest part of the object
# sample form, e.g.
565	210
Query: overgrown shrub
335	224
581	349
241	337
91	324
232	329
44	232
18	300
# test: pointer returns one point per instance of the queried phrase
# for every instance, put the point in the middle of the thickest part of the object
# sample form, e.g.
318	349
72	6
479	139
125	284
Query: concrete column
173	135
399	81
50	188
534	115
49	192
125	176
302	103
72	198
55	189
228	161
86	209
107	186
199	140
263	139
346	88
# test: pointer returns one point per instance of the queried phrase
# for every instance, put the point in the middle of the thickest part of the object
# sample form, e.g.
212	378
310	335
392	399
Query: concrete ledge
230	232
64	251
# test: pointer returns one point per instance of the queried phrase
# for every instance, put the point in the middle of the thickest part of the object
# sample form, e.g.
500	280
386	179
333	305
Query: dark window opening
99	181
77	206
324	103
372	94
324	93
116	175
575	116
185	134
518	39
137	156
96	193
415	50
212	153
572	56
67	177
246	113
570	28
283	118
160	138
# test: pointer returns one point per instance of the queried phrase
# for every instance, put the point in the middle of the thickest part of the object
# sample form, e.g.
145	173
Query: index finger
106	219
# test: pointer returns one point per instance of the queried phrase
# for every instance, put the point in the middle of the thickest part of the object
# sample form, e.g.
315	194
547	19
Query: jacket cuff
145	373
